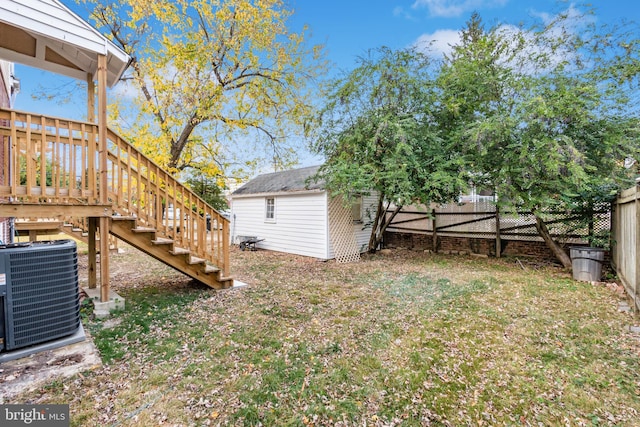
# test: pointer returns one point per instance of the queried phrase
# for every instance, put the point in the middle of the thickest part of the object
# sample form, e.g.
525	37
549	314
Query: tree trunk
177	147
378	232
559	253
376	223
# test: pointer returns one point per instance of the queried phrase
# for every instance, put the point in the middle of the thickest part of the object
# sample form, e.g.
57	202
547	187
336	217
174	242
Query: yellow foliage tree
210	74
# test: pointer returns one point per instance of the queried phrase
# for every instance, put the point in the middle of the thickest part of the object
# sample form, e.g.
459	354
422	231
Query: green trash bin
586	263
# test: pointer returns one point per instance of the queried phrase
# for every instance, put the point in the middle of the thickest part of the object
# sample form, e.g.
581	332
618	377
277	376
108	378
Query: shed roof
46	34
277	182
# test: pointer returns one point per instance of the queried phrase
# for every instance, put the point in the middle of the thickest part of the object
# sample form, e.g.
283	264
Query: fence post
434	236
636	279
590	212
498	238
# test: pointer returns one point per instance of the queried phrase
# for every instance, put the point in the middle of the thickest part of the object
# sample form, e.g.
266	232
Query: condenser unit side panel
43	298
3	303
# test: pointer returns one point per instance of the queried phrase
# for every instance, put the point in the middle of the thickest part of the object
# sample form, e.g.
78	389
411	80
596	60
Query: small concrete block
238	284
624	308
634	329
104	309
101	309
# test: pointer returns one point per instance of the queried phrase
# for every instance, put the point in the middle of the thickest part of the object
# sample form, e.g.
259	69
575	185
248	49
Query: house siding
300	225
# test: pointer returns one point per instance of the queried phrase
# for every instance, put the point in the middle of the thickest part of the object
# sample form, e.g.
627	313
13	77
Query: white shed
295	215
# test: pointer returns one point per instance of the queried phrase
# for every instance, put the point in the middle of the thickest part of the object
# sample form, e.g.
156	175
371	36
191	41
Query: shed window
270	209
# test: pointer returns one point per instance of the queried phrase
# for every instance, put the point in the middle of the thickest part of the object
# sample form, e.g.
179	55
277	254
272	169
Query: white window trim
266	209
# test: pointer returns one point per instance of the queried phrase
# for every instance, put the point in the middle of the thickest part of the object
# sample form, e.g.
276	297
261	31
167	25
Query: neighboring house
295	215
8	89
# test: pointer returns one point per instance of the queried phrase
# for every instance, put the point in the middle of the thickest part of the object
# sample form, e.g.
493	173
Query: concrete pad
29	373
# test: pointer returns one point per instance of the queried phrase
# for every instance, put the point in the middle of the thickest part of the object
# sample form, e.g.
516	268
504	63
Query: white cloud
437	43
453	8
571	20
440	42
562	26
574	16
401	12
126	89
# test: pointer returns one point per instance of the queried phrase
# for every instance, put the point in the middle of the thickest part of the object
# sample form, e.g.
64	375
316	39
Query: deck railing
48	159
53	160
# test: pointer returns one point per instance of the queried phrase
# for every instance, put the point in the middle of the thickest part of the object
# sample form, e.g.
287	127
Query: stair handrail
140	187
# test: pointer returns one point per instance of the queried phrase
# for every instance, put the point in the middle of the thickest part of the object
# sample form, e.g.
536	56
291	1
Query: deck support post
104	259
91	99
103	186
93	254
92	222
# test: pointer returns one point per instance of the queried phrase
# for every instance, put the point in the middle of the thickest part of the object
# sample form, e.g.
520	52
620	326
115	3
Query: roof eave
277	193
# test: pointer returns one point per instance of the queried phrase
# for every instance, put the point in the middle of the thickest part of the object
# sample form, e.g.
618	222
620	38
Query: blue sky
349	28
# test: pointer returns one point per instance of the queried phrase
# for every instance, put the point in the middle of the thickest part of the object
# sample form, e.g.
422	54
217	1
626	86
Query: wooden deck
60	174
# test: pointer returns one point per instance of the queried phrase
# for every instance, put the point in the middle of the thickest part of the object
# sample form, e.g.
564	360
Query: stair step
227	282
143	230
196	260
162	241
211	269
180	251
123	218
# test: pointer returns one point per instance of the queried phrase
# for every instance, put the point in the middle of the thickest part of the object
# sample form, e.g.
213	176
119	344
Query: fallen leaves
396	339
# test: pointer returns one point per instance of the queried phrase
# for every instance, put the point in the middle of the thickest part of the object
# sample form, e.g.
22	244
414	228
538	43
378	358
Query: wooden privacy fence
626	242
480	219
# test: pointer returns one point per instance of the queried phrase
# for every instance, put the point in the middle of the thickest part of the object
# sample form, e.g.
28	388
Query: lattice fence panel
342	233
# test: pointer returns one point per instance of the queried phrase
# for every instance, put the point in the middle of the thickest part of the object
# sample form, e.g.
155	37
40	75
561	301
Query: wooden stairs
166	251
78	232
66	175
146	240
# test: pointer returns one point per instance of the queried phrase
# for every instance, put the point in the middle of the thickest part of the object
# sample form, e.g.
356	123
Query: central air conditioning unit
39	297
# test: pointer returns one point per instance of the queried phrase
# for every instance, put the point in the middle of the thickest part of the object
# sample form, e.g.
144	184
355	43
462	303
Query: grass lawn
404	338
